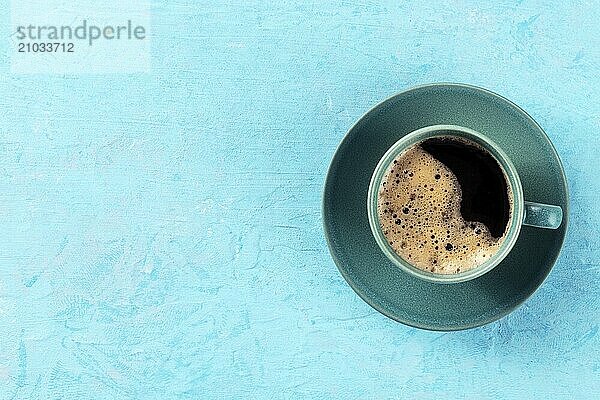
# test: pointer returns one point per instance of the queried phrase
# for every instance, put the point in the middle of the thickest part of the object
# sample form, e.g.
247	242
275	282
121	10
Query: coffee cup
518	210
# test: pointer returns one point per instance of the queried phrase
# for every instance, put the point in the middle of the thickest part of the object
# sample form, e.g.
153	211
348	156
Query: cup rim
510	173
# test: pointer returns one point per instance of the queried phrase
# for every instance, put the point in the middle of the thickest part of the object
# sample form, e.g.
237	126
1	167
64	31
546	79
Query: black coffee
444	205
485	196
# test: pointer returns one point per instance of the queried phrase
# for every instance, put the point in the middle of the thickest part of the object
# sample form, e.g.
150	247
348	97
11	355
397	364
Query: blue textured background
161	233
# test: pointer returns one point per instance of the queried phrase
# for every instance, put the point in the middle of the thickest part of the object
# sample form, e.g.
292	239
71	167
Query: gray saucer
368	271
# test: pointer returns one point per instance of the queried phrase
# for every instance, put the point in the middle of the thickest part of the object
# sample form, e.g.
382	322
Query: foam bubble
419	208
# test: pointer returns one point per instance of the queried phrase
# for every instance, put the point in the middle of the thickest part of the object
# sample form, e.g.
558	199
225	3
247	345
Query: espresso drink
444	205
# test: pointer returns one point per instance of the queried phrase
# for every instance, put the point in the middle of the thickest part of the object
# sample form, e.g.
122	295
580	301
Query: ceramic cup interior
512	178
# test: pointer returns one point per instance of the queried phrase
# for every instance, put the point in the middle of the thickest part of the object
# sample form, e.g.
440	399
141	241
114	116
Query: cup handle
542	215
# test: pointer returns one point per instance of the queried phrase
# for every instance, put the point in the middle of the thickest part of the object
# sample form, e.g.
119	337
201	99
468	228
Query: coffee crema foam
419	212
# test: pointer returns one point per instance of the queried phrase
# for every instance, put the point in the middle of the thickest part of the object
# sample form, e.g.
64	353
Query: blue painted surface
161	232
